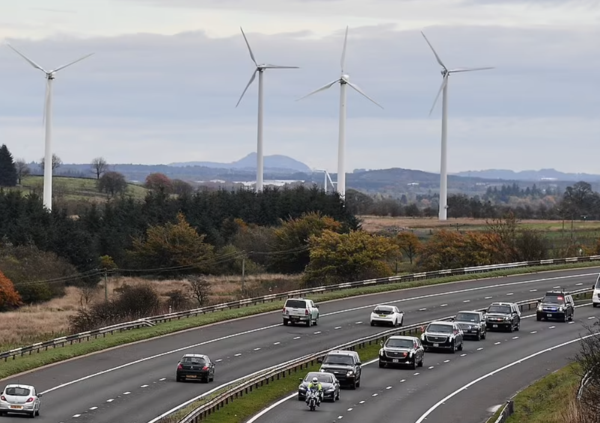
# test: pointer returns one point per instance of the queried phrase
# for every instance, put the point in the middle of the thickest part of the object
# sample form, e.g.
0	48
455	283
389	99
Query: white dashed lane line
462	355
510	293
466	301
163	378
446	361
144	386
488	298
317	332
93	408
76	415
479	349
276	343
497	343
237	355
126	393
444	305
337	327
257	349
389	387
422	309
110	400
358	323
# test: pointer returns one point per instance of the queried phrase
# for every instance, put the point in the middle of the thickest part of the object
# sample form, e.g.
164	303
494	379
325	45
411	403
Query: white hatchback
20	399
387	314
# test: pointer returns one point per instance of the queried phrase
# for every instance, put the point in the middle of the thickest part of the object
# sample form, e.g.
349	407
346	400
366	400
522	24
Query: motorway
135	383
405	396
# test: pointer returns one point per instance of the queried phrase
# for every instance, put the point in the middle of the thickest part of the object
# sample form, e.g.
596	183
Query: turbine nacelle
345	78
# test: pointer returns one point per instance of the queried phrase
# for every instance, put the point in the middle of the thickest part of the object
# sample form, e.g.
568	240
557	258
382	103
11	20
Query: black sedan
330	385
195	367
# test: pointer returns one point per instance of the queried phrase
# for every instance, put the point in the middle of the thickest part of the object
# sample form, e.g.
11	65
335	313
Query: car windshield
399	343
194	360
598	284
344	360
467	317
383	310
439	328
322	377
499	309
552	299
16	391
295	304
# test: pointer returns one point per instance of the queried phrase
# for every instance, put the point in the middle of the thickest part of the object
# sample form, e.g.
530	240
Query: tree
173	245
22	170
181	187
505	231
409	244
112	183
56	162
336	258
159	182
8	170
200	288
9	297
99	166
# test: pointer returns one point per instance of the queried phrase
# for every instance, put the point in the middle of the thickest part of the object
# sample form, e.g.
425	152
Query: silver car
20	399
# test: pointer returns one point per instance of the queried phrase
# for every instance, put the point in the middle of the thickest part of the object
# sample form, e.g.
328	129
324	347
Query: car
442	335
296	310
329	383
402	350
555	305
344	365
195	366
502	315
472	323
386	314
596	293
20	399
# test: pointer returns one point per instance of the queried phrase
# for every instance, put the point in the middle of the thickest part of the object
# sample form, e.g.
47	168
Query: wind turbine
343	80
259	143
50	75
443	212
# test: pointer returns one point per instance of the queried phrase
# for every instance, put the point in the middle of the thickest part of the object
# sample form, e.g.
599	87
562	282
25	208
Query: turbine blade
444	82
31	62
73	62
323	88
432	49
343	61
279	67
469	69
358	90
249	49
247	86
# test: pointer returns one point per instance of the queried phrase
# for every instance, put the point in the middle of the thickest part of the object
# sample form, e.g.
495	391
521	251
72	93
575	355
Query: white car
20	399
387	314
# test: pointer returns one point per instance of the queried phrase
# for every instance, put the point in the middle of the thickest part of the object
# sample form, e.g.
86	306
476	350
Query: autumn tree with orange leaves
9	297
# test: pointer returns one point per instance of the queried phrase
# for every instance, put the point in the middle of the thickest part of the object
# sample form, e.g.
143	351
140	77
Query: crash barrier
292	368
151	321
507	410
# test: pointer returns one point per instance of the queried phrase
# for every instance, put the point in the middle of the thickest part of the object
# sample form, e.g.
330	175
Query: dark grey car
472	323
330	385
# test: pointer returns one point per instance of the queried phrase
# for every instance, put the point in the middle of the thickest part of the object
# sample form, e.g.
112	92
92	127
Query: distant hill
530	175
274	163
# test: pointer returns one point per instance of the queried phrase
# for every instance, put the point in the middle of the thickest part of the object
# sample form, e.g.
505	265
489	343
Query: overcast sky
166	75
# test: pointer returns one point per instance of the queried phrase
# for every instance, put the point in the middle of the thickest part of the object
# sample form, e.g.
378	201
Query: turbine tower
50	75
443	202
259	143
343	81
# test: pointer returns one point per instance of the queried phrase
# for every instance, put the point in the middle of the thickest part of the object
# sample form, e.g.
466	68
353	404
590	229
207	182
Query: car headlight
540	307
330	390
302	388
422	337
506	318
381	351
350	373
560	308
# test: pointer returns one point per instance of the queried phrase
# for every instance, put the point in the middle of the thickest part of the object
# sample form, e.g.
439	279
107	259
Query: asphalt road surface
136	383
405	396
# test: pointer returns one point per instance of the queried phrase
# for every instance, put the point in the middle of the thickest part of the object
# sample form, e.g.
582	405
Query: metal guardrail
152	320
507	411
291	368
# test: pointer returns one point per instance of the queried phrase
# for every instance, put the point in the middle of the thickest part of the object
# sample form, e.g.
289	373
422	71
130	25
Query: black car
196	367
503	316
345	366
442	335
330	385
402	350
556	305
472	323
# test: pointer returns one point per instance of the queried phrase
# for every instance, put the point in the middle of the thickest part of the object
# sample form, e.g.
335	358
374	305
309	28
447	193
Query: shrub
9	298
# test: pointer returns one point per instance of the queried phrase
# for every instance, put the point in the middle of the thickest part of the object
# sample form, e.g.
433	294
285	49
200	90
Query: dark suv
472	323
505	316
556	305
345	366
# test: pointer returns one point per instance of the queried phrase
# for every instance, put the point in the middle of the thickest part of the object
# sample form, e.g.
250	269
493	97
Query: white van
596	294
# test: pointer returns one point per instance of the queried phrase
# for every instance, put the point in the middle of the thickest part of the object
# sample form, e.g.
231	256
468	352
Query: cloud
149	98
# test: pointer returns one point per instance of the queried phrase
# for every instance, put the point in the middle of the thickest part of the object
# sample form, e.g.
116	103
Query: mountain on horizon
529	175
273	162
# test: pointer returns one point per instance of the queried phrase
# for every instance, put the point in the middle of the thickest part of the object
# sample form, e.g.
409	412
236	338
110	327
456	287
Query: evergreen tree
8	170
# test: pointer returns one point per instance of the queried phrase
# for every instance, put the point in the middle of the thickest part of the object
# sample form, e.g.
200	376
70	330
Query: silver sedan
20	399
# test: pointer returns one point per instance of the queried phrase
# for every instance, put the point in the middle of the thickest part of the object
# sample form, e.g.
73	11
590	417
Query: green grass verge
29	362
546	400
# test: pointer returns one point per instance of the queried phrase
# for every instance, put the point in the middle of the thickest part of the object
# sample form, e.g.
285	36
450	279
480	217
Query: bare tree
200	288
99	166
22	169
56	162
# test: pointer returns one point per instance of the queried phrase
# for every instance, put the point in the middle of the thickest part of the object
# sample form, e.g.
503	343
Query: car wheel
518	328
309	322
300	398
484	334
285	322
453	347
37	413
372	323
338	395
353	386
402	321
317	321
572	314
460	347
413	365
358	383
395	323
421	362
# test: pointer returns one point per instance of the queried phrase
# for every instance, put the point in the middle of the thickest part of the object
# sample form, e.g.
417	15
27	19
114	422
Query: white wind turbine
50	75
343	80
259	143
443	211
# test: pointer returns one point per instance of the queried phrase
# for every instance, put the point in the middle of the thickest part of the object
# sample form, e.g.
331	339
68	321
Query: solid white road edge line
122	366
479	379
281	401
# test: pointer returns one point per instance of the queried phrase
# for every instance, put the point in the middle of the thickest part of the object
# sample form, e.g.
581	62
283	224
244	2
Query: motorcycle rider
316	385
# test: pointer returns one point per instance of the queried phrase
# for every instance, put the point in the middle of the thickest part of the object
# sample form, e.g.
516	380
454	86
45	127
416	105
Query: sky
166	75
